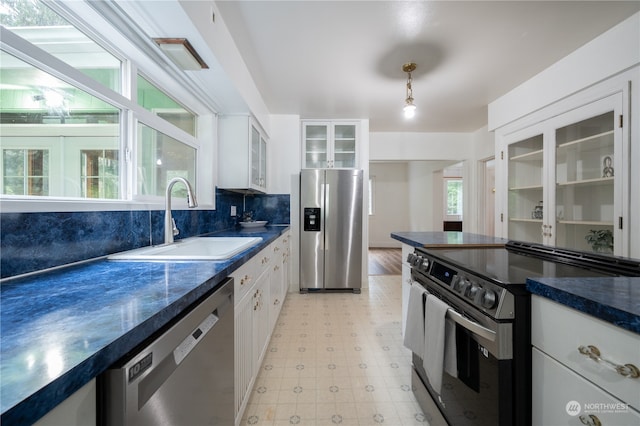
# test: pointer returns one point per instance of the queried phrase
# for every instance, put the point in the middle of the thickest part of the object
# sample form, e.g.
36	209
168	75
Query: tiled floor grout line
337	359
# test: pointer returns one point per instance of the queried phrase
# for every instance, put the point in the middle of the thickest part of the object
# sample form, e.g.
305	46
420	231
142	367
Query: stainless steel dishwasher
182	377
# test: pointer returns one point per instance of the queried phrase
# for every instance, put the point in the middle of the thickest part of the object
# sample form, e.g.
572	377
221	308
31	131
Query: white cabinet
568	385
406	283
279	277
567	176
258	285
77	410
330	144
242	154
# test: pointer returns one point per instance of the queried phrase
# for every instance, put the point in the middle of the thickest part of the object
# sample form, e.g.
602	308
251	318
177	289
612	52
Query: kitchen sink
196	248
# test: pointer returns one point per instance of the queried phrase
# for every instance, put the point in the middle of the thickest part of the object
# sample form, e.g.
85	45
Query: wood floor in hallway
385	261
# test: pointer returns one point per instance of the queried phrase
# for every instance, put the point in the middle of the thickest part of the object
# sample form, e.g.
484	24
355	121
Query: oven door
482	392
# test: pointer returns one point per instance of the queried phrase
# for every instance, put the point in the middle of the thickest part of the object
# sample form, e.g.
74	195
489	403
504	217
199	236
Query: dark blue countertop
615	300
60	329
447	239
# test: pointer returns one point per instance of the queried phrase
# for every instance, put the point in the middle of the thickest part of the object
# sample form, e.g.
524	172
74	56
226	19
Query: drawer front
560	332
243	279
562	397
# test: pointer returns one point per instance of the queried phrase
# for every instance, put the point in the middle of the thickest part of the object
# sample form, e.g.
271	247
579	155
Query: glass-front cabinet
566	179
329	144
242	154
526	190
585	183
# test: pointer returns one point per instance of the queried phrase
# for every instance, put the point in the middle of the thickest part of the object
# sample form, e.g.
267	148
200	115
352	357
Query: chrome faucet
170	229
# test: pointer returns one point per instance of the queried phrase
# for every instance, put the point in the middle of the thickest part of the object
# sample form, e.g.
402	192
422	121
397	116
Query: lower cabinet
77	410
256	312
563	397
578	365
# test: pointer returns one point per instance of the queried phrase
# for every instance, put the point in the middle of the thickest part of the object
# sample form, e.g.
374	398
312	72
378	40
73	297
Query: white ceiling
343	59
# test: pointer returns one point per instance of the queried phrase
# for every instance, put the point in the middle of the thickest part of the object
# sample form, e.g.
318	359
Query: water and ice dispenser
312	219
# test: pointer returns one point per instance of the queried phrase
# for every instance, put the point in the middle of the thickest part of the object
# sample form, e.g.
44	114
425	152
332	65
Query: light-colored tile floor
337	359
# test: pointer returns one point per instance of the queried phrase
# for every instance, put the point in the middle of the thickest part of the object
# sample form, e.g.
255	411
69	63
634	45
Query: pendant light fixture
409	108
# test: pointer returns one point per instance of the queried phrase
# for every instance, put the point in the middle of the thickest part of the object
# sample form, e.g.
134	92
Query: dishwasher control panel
192	340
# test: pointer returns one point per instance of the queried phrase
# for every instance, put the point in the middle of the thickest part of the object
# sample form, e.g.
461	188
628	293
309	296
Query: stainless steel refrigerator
331	229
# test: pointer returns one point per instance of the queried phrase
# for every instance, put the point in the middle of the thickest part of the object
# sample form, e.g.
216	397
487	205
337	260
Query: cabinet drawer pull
590	420
627	370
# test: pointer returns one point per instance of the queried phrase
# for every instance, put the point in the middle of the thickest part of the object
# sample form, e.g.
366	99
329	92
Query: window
155	100
68	136
25	171
40	111
160	159
42	27
99	173
454	197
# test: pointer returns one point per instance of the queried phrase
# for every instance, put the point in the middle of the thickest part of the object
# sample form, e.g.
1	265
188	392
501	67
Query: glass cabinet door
344	146
316	146
263	163
526	174
255	156
584	153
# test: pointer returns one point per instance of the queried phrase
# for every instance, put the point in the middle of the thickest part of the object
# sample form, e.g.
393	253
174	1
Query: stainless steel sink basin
197	248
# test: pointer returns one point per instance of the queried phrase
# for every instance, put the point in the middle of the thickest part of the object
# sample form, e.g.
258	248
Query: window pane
155	100
454	197
46	123
41	26
160	159
99	173
25	171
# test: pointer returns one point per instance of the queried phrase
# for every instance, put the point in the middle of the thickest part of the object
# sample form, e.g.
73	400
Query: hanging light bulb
409	107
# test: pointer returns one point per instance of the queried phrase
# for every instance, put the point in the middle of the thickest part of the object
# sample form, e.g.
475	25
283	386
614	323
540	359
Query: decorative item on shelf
537	211
607	169
600	240
247	216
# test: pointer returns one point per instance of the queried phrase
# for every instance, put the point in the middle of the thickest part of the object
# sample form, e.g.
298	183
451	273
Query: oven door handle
473	327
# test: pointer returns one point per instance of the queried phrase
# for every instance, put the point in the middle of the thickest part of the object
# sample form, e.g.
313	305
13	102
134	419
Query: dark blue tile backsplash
31	242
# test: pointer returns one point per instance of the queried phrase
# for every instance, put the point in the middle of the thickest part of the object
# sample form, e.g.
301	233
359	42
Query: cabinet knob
626	370
590	420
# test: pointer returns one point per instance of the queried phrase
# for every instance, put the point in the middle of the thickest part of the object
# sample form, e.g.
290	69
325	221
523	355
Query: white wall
426	155
284	153
387	146
610	53
391	201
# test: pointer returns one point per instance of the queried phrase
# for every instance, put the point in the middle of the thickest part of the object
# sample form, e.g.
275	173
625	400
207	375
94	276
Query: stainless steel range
484	289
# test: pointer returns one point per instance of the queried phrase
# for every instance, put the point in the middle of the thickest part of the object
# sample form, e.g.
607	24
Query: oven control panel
484	295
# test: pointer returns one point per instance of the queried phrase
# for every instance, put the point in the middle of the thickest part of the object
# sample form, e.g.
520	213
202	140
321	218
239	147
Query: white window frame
132	113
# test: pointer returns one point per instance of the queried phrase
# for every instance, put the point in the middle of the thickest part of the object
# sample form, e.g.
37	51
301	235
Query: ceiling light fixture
180	51
409	108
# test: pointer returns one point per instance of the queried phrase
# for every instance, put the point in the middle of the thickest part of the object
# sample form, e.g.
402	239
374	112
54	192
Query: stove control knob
489	299
410	258
462	284
425	264
472	290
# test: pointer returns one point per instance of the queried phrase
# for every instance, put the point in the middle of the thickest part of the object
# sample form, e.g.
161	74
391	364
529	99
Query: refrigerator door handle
326	220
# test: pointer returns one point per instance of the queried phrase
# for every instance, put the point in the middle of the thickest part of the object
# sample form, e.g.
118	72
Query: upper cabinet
330	144
242	154
566	179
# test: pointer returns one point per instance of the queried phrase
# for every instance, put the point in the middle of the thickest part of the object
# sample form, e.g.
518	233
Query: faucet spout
170	229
